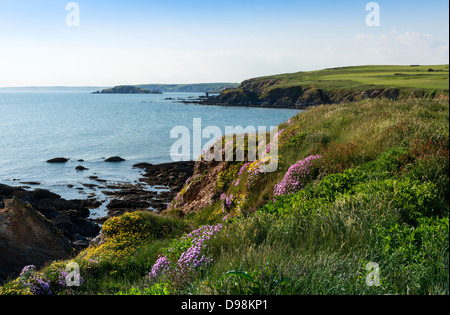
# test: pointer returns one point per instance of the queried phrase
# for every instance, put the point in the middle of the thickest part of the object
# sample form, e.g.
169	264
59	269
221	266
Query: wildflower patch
297	176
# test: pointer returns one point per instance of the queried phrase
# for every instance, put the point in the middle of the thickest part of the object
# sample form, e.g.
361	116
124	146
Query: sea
39	126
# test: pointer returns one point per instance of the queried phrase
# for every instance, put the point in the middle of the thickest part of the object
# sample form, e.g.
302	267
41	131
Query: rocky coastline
250	94
68	224
165	180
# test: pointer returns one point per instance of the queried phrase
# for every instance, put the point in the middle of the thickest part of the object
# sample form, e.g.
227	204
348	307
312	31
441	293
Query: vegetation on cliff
336	85
359	183
376	191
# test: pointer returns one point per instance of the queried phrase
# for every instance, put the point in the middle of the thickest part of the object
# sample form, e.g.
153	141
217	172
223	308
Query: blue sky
174	41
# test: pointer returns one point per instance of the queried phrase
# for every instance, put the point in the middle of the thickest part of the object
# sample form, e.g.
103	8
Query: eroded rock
27	238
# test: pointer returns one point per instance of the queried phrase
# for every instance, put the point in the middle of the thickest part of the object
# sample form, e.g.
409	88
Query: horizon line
105	86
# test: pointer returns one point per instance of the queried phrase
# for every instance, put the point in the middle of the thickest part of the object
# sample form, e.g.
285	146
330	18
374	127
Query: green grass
362	78
380	195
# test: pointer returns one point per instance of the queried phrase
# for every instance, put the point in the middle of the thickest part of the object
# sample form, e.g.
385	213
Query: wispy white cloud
404	47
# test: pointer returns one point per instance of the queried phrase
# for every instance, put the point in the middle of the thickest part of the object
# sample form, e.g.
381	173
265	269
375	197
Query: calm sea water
38	126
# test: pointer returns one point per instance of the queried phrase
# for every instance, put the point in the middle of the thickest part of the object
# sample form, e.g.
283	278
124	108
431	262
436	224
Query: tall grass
380	195
392	208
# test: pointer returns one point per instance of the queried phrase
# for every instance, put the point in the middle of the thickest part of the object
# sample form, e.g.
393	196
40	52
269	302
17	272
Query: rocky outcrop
201	189
166	181
69	216
266	93
27	238
114	159
294	97
58	160
171	175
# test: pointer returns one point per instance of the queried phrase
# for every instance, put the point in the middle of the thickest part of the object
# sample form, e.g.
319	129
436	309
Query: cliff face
300	97
27	238
69	216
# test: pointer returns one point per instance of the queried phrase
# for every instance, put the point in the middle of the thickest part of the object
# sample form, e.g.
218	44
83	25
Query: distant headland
169	88
127	89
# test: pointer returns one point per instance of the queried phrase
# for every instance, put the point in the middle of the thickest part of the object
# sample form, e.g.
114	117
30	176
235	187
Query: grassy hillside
337	85
376	191
420	77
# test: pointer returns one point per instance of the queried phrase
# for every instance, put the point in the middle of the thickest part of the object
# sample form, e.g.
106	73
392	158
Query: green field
362	77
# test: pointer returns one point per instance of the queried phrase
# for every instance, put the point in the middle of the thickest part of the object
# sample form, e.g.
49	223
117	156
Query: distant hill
336	85
190	88
128	89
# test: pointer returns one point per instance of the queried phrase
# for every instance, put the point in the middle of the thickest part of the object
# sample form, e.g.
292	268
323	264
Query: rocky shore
71	217
293	98
165	181
265	93
37	226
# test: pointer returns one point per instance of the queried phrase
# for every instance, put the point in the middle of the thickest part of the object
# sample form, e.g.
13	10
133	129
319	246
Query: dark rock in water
168	174
95	178
58	160
116	204
81	168
115	159
91	186
31	183
44	194
27	238
142	165
128	197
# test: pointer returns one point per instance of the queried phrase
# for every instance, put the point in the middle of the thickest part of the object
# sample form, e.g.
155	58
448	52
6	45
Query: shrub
390	161
143	226
126	239
16	287
233	204
266	280
428	240
35	281
413	199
